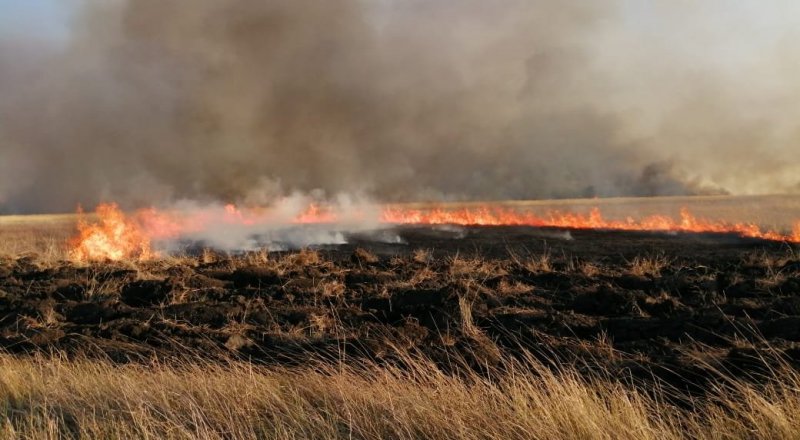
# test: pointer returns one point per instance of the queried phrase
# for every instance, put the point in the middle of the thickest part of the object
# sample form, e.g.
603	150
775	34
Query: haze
150	102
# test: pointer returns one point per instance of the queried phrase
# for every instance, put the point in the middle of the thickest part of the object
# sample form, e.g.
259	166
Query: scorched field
415	328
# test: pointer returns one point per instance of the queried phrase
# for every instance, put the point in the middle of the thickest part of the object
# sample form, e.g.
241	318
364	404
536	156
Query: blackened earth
674	308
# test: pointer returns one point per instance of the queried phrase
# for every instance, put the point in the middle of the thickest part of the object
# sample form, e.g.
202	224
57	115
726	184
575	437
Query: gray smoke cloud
274	228
153	101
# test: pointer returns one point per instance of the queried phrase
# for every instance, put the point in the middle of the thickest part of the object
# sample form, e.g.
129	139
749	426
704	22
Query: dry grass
43	236
53	398
422	275
516	288
422	256
330	289
473	268
589	269
538	263
100	285
303	258
648	266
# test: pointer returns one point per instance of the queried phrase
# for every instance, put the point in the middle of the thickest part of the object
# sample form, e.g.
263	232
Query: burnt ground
639	305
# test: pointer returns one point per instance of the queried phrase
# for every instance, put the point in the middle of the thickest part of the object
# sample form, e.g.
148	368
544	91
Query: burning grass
111	234
114	237
117	236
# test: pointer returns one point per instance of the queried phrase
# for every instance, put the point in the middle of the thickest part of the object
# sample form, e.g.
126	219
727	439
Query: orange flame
316	214
498	216
115	237
119	237
236	216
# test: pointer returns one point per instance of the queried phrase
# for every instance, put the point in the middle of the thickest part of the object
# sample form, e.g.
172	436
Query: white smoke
275	225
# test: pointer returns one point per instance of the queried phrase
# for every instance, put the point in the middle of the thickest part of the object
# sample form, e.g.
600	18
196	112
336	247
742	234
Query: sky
741	28
48	18
763	20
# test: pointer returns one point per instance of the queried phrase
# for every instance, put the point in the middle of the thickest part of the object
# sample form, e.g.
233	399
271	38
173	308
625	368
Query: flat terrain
46	235
634	303
408	332
772	212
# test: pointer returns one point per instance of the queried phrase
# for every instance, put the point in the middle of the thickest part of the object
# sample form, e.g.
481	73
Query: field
451	332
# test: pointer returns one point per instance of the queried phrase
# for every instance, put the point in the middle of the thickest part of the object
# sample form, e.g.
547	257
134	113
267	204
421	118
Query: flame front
498	216
117	236
114	237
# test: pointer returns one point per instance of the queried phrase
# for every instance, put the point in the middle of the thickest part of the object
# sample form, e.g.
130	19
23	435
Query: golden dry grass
44	235
649	265
43	398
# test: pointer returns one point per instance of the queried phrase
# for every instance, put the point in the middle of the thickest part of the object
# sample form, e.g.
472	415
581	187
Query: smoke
224	227
245	101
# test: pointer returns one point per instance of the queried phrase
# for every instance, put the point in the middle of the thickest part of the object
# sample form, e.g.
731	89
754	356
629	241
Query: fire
316	214
117	236
235	215
498	216
114	237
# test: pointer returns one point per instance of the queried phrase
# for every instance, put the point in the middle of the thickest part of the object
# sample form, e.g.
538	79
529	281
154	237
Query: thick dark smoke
153	101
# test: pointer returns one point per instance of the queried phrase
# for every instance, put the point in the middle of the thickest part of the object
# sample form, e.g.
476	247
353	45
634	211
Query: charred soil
678	309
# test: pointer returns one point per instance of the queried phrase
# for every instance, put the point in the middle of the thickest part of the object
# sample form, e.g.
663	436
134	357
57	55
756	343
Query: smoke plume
243	101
